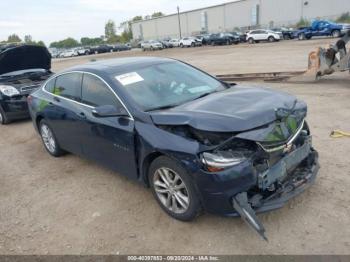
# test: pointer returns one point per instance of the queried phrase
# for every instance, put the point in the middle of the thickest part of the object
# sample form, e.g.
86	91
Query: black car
242	36
286	33
101	49
166	44
197	142
23	69
204	38
120	47
223	39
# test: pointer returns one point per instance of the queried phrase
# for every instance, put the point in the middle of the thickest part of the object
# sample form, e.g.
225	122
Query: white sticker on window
129	78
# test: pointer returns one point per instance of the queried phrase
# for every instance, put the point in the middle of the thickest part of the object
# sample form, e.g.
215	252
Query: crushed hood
237	109
24	57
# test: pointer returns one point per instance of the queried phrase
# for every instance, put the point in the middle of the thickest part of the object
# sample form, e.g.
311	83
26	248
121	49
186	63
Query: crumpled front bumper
296	183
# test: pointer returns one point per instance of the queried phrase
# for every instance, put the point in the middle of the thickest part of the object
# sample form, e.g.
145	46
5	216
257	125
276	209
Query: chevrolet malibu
197	142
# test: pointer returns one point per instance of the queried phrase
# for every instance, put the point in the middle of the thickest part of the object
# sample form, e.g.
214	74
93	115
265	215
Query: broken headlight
9	90
221	160
228	155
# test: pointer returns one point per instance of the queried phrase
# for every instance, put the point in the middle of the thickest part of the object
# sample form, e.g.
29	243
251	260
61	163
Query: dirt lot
73	206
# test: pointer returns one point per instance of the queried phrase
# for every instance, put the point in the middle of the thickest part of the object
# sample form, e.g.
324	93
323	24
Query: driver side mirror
109	111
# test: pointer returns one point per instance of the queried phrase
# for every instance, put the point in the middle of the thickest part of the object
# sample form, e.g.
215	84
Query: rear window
69	86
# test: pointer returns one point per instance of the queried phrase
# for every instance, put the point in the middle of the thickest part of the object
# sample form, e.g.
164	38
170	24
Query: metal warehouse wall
227	17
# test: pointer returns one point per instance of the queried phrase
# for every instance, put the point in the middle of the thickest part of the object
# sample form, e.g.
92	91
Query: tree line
27	39
110	36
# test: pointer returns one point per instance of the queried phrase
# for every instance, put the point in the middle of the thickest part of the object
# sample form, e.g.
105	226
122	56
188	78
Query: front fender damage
284	160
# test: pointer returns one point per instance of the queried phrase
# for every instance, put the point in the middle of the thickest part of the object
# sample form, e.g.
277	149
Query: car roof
118	64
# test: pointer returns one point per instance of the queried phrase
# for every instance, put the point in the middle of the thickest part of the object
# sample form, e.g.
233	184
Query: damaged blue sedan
197	142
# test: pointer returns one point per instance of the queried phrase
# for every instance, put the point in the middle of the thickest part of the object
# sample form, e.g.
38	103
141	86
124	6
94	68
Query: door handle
82	115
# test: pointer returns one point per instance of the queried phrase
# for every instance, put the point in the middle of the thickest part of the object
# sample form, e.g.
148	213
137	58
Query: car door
62	112
262	35
107	140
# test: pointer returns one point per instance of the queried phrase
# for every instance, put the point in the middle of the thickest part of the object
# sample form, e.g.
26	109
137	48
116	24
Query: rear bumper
15	108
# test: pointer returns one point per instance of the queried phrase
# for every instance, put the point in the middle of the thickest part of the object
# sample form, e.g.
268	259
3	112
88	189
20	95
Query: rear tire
49	139
3	118
173	189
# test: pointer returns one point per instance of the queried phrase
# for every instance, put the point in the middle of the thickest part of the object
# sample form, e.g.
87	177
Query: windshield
167	85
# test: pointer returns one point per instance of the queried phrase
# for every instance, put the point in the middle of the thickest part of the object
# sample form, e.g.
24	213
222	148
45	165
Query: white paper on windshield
129	78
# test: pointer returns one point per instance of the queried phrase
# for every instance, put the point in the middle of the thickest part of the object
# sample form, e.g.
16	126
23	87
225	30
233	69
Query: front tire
302	36
49	139
271	39
336	33
173	189
3	118
251	40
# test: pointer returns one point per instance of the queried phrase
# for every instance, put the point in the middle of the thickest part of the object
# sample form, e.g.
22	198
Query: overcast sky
51	20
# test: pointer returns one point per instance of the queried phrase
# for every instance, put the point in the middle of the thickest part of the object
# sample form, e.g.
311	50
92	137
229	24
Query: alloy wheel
171	190
1	118
336	33
48	138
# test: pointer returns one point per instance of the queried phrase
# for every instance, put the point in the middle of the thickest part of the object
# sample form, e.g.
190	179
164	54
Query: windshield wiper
204	95
162	107
177	104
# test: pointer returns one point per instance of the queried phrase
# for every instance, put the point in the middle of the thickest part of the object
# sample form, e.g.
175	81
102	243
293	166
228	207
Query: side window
96	93
69	86
50	86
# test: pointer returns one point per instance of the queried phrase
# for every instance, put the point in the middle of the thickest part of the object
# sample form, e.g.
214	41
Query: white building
241	14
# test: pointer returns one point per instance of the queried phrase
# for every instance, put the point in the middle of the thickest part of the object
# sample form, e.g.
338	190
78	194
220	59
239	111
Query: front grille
271	147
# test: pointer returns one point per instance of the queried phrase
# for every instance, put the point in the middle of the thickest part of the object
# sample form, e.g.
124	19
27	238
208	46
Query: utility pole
178	17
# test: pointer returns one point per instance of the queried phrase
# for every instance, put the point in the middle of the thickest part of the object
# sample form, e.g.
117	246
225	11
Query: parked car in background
23	69
55	53
321	28
83	50
151	45
190	42
204	38
223	39
175	42
241	36
197	142
101	49
286	33
166	44
68	53
120	47
255	36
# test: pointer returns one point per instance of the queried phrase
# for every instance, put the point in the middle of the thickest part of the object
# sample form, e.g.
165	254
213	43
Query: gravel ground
73	206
